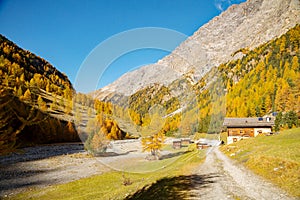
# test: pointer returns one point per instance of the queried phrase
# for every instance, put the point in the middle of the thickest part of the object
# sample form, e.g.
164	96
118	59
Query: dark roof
176	140
249	122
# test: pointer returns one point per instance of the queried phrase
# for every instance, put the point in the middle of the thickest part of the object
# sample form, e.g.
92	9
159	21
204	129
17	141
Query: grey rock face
246	25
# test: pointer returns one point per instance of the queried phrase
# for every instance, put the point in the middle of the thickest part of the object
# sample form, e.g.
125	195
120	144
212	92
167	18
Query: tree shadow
14	179
113	154
171	155
177	187
16	175
41	152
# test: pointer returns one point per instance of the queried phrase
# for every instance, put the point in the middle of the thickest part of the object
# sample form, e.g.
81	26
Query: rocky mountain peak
243	26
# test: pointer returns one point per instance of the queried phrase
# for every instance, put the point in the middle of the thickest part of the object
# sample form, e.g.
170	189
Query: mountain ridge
243	26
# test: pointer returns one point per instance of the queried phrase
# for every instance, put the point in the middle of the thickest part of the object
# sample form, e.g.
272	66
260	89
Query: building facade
240	128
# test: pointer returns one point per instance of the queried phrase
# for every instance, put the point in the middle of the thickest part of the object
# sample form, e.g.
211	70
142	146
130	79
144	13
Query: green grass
223	137
140	165
197	136
110	185
144	166
276	158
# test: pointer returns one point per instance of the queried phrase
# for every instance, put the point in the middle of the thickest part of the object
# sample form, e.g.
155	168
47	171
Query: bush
96	143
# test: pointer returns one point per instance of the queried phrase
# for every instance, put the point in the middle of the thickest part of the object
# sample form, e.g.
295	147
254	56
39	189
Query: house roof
176	140
249	122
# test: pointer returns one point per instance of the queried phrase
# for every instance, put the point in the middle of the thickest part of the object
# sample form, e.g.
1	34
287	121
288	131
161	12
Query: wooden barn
202	144
177	144
185	141
181	142
239	128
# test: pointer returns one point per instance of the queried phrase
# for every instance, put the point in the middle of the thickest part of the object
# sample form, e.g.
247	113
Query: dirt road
232	181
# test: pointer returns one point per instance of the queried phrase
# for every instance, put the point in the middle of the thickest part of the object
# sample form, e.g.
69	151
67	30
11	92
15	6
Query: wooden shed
176	144
185	141
202	145
239	128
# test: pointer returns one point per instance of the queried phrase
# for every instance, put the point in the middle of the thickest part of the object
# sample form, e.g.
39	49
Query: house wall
236	134
241	132
232	139
261	130
185	142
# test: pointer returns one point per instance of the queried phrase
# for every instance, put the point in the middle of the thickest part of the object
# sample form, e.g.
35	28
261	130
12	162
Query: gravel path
230	180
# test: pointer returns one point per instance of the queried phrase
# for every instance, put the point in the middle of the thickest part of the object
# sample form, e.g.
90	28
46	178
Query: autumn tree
295	63
41	103
97	142
19	92
153	144
27	96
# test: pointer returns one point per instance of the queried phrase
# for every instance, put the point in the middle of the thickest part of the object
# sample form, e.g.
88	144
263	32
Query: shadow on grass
171	155
178	187
113	154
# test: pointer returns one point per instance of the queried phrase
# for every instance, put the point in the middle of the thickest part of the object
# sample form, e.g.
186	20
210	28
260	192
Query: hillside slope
35	104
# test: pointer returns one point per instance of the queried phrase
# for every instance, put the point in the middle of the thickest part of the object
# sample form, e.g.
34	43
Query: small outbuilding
177	144
185	141
239	128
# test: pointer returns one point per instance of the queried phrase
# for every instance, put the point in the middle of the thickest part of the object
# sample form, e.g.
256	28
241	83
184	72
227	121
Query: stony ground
46	165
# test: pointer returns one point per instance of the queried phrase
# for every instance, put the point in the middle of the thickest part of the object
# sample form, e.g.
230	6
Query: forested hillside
266	79
262	81
36	99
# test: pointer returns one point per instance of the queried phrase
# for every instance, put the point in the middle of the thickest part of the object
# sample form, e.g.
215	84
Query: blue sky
64	32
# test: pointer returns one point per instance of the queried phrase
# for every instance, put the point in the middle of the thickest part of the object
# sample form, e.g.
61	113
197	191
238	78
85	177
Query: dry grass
276	158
